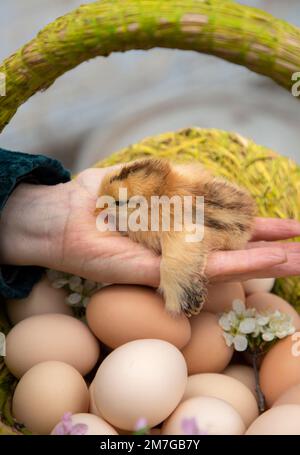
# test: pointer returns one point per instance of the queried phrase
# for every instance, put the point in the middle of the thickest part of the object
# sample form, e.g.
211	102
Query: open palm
110	258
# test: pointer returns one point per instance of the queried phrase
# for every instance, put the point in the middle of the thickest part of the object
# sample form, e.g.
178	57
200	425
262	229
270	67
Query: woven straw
237	33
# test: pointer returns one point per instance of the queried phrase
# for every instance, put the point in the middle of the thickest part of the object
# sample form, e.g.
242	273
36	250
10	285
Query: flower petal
247	326
240	343
225	322
238	306
228	338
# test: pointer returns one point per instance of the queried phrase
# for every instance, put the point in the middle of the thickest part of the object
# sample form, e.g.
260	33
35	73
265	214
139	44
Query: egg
92	407
280	368
93	425
42	299
212	416
121	313
290	396
265	302
141	378
258	285
221	295
206	352
225	388
45	393
244	374
282	420
50	337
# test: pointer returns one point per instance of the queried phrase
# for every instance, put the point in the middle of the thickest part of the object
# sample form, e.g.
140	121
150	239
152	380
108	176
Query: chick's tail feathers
182	280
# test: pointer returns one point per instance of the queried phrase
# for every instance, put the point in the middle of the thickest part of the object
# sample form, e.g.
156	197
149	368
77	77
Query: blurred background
109	103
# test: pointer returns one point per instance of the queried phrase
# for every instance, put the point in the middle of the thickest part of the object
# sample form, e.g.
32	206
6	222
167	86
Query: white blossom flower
225	322
238	306
248	325
59	283
247	328
240	343
228	338
75	284
262	320
80	289
74	299
268	336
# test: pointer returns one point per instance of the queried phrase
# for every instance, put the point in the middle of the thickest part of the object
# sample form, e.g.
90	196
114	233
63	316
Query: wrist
31	224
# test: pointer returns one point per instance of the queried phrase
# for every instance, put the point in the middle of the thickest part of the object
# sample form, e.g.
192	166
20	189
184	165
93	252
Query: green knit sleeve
16	282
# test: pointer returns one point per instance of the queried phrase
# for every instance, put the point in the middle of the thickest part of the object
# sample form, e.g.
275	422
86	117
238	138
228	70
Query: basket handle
237	33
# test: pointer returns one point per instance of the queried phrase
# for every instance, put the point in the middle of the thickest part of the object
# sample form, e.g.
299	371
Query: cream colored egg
280	368
206	352
212	416
121	313
244	374
50	337
46	392
42	299
93	408
265	302
281	420
258	285
93	425
225	388
221	295
142	378
290	396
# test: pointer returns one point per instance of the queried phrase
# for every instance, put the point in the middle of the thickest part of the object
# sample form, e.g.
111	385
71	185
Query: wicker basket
239	34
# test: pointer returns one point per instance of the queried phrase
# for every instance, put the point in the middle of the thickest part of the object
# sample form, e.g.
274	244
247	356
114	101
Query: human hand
55	227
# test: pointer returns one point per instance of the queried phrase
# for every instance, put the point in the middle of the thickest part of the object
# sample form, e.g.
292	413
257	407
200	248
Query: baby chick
228	220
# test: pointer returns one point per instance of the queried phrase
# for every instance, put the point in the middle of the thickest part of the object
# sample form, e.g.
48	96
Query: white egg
142	378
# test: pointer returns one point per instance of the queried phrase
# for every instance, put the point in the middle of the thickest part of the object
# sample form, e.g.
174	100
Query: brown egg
50	337
282	420
42	299
225	388
244	374
46	392
266	302
221	296
121	313
280	368
290	396
206	351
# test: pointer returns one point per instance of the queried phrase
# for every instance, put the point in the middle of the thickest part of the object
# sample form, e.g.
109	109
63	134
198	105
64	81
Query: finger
275	229
288	269
286	246
223	264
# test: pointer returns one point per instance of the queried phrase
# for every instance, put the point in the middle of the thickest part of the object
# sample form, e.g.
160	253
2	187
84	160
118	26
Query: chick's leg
182	280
